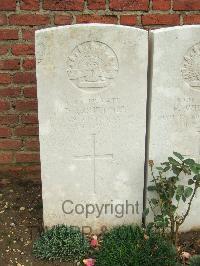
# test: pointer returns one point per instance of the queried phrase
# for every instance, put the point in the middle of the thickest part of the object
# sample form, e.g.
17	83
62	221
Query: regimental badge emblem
92	66
191	67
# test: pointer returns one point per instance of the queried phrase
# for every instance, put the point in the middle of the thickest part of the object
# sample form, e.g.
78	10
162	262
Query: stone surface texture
175	107
92	90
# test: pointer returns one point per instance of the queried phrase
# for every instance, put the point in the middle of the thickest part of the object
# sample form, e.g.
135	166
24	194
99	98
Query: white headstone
92	98
175	106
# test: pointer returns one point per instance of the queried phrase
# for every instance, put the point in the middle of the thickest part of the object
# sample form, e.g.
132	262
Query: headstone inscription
175	103
92	89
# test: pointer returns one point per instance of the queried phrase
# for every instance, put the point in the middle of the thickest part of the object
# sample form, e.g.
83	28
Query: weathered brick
4	105
161	4
10	144
30	92
5	132
33	145
97	4
26	131
11	170
7	5
25	157
10	92
30	119
128	20
23	49
28	64
9	119
24	77
3	49
8	34
25	105
10	64
28	20
28	35
6	157
72	5
186	5
3	19
29	5
96	19
63	20
191	19
36	168
161	19
129	5
5	78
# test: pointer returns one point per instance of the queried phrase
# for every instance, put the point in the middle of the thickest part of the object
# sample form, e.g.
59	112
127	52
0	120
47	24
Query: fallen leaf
89	262
94	242
186	255
4	182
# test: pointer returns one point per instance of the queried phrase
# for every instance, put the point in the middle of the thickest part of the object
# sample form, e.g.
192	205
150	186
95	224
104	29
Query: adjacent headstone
92	90
175	106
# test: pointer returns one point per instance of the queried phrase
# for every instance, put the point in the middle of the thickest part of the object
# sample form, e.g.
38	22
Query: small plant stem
189	204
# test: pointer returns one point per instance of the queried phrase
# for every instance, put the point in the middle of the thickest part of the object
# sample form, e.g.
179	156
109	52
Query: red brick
63	20
30	119
6	157
161	4
26	131
24	77
23	49
10	92
10	144
10	64
33	168
30	92
5	132
4	105
97	4
8	119
28	20
96	19
3	49
10	169
28	35
29	5
129	5
161	19
5	78
25	105
186	5
3	20
128	20
25	157
192	19
8	34
29	64
33	145
72	5
7	4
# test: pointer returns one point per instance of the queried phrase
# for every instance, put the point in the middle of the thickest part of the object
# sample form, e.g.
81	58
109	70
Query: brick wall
19	146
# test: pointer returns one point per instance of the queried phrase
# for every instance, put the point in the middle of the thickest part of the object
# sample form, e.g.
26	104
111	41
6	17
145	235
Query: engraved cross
93	157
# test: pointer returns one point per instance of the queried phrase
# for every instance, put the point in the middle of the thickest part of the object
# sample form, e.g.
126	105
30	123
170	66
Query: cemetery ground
21	225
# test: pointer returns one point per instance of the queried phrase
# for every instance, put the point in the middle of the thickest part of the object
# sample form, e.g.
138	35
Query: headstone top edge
89	25
175	28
